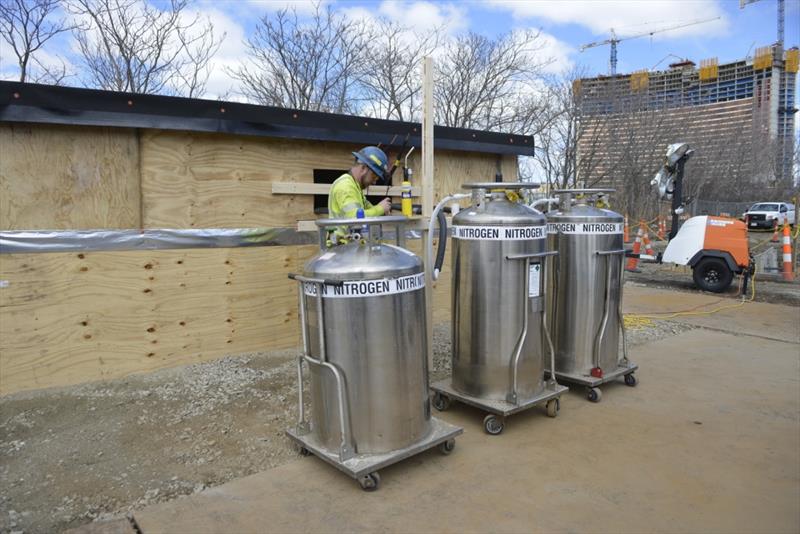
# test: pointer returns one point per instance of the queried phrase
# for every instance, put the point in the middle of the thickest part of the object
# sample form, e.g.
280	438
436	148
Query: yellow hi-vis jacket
344	200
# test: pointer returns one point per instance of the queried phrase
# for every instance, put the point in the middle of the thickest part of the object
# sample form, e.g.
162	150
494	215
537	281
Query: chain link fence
716	207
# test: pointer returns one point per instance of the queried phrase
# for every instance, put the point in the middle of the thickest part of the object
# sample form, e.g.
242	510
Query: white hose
547	201
429	252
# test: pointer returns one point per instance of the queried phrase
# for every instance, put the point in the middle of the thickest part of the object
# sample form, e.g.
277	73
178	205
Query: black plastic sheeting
47	104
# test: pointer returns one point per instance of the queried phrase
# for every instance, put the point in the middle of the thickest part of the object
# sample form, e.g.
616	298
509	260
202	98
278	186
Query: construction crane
781	15
613	40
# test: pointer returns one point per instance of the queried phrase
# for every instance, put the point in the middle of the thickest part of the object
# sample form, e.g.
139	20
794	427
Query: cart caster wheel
631	380
446	447
553	406
440	401
493	425
370	482
594	394
304	452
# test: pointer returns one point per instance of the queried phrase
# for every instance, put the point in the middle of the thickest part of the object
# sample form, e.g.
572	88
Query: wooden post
427	192
427	137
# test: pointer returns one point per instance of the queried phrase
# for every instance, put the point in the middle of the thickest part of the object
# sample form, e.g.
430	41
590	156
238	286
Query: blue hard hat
374	158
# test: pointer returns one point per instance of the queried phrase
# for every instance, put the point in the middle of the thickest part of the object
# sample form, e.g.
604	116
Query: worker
347	192
602	202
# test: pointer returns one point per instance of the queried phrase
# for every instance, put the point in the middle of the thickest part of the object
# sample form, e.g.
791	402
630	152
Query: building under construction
739	116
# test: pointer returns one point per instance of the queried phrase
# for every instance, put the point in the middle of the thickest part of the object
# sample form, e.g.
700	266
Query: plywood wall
67	178
70	178
68	318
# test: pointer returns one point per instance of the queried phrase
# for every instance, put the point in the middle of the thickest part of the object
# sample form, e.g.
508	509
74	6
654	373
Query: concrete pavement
708	442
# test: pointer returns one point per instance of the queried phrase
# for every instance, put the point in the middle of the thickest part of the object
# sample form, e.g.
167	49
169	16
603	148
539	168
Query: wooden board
197	180
61	177
288	188
68	318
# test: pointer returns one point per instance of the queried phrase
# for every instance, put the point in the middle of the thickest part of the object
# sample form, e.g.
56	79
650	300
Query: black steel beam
47	104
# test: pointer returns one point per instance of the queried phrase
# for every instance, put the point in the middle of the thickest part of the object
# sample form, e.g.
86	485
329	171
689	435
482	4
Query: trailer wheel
594	394
631	380
552	407
370	482
492	424
304	452
712	274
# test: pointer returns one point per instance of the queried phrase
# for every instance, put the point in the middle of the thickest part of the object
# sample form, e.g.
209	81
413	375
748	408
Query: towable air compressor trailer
362	315
499	330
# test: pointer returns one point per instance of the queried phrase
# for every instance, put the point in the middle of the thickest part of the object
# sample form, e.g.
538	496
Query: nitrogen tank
489	276
585	290
375	334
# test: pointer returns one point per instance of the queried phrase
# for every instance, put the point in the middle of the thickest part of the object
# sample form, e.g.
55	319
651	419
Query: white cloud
625	16
426	15
231	53
303	7
558	52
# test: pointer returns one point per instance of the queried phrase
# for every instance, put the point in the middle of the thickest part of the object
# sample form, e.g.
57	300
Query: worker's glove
386	204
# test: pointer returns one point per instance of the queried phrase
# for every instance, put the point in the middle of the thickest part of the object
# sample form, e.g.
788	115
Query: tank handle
396	220
532	255
610	252
324	281
501	185
515	357
399	221
585	190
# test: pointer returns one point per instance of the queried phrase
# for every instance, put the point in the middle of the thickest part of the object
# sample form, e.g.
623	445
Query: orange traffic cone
775	232
648	247
633	262
662	228
787	254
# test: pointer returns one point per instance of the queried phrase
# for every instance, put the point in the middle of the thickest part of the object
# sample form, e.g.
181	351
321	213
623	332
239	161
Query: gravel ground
98	451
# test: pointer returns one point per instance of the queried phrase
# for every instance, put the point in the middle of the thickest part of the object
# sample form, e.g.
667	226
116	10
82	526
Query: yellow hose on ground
638	320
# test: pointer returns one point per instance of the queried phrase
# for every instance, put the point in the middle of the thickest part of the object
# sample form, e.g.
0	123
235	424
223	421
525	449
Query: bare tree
130	45
390	77
492	84
312	65
569	147
27	25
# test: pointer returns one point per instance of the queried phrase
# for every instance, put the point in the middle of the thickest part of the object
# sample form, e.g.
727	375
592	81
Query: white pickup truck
769	214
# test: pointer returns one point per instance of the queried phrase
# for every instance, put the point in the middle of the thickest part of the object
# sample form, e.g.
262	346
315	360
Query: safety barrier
775	227
787	253
662	228
633	261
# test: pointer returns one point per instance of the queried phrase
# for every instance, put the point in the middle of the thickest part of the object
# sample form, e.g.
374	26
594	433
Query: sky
565	26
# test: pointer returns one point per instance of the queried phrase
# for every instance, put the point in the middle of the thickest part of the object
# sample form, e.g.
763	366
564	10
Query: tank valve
597	372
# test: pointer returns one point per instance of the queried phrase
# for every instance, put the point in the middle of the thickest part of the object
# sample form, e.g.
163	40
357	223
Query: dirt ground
98	451
769	288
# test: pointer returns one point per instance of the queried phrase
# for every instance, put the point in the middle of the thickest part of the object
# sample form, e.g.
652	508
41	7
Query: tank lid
584	213
357	261
501	185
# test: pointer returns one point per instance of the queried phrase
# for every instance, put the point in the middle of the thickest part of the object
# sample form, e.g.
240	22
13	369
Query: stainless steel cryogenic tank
364	333
585	291
498	331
